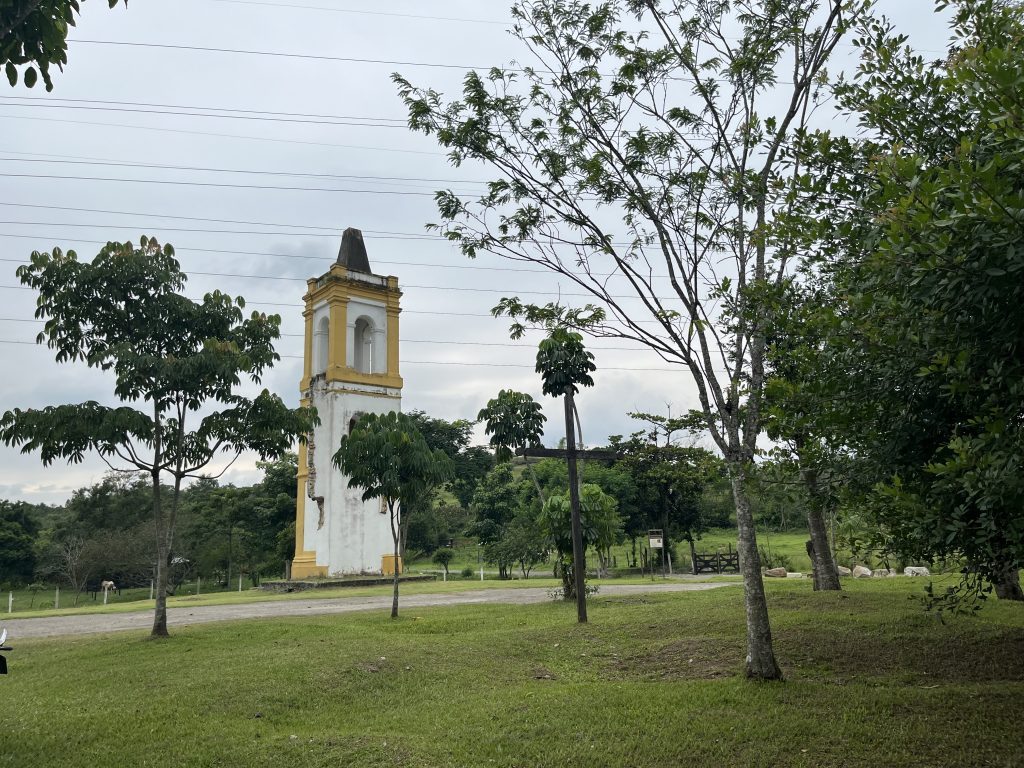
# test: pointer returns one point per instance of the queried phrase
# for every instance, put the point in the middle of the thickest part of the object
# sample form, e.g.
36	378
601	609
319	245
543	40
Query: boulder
843	570
880	572
860	572
778	573
916	570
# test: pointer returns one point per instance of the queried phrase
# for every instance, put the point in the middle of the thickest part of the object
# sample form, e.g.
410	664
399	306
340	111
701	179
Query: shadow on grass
842	637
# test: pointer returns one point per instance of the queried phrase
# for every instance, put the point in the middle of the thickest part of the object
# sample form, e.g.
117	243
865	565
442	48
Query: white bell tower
351	368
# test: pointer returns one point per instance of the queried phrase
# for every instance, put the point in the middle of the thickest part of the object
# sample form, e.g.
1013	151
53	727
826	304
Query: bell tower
351	368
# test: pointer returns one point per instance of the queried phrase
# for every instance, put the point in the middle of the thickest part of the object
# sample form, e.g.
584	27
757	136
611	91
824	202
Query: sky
251	160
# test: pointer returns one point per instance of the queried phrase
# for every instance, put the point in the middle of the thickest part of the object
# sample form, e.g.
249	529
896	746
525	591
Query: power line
220	185
353	122
48	101
242	171
279	54
434	362
227	252
366	13
222	135
410	341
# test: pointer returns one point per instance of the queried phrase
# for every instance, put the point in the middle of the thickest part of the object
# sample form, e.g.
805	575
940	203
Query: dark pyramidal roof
352	254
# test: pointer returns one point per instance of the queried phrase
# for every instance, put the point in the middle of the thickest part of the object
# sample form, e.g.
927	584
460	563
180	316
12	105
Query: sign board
656	539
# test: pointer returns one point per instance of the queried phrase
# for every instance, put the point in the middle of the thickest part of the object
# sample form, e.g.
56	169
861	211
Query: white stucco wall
355	534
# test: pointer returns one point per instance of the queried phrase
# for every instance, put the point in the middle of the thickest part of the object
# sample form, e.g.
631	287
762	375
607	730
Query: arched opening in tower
362	346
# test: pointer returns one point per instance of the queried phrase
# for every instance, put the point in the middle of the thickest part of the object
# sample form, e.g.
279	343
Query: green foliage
33	34
18	530
173	358
495	503
443	557
387	457
514	420
922	360
600	524
670	479
563	363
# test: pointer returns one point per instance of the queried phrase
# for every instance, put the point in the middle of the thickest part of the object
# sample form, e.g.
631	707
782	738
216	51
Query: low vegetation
653	680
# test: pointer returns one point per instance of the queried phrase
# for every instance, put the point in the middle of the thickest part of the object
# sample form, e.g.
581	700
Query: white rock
916	570
860	572
880	572
778	573
792	575
843	570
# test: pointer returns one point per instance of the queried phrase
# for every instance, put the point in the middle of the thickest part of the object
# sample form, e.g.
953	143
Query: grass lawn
651	681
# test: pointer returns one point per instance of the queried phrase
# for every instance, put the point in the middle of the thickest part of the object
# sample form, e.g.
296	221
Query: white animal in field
108	586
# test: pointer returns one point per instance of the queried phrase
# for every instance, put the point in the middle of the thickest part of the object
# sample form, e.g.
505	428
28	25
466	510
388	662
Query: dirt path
56	626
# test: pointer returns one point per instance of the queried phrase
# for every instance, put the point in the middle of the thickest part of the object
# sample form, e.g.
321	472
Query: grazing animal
108	586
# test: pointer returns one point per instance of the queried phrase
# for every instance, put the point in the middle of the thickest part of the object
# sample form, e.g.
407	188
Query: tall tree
670	478
125	312
799	415
389	459
920	249
18	530
642	157
565	365
34	34
514	421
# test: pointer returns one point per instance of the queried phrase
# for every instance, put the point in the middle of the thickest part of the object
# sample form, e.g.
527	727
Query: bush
467	572
771	559
443	556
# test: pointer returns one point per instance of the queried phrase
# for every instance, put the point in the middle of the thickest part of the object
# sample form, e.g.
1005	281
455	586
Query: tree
798	410
515	421
18	531
35	32
921	251
670	479
641	158
443	557
469	465
564	365
124	312
388	457
599	526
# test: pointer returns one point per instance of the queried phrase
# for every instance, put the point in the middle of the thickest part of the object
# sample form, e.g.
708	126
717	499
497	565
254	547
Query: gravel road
56	626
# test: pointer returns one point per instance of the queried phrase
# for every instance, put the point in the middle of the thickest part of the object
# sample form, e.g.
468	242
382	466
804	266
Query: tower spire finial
352	253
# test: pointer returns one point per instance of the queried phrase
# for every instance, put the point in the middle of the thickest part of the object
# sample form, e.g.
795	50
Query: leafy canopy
34	33
387	456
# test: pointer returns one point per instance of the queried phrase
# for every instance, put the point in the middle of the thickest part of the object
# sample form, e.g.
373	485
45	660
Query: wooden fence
716	562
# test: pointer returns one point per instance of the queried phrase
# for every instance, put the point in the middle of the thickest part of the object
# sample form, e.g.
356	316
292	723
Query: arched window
321	345
362	346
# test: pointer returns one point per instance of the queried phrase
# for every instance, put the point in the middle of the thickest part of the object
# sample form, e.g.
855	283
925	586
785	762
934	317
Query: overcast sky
274	155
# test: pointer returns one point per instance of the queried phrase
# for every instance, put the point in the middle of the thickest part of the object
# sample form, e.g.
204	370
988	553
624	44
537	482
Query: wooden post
239	582
56	597
199	584
105	591
579	562
150	589
10	602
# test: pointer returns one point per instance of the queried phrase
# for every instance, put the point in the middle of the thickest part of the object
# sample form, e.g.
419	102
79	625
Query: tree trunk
579	564
1007	584
396	530
761	664
163	557
826	577
693	556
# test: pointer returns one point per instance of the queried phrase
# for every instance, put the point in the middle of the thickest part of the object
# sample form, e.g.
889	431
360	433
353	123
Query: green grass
651	681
